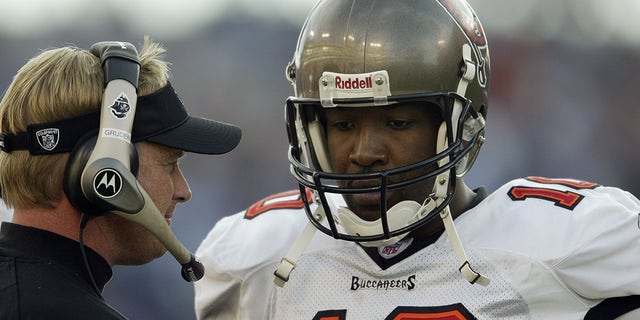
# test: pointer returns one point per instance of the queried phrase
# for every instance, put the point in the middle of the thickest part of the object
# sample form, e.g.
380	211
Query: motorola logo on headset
107	183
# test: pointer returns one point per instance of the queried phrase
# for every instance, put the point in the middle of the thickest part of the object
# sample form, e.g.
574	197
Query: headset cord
84	218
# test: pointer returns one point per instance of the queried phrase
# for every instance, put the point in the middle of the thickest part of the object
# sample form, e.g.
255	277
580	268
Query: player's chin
364	211
367	206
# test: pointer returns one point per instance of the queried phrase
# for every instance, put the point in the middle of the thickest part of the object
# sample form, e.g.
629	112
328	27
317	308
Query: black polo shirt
43	276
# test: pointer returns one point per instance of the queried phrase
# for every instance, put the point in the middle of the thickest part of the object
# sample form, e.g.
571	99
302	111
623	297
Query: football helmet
364	53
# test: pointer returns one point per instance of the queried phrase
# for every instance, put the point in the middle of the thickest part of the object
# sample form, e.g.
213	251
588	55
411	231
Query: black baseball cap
160	118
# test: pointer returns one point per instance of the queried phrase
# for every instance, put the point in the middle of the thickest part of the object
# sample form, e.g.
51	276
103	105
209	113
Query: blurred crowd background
565	77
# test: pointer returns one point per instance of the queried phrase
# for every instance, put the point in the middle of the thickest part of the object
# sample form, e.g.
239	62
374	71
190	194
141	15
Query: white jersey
552	248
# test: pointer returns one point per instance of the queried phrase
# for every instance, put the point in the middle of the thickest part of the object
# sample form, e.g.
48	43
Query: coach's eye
172	166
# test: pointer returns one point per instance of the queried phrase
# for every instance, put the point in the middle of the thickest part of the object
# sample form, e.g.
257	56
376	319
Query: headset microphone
105	178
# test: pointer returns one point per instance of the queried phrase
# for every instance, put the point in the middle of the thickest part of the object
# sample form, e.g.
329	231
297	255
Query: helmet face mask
310	167
333	67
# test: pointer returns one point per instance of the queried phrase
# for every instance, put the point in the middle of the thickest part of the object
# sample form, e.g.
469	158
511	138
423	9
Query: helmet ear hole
290	72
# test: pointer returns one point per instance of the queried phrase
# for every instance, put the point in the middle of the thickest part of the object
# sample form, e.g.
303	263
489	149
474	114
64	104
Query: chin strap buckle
472	276
467	272
288	262
283	271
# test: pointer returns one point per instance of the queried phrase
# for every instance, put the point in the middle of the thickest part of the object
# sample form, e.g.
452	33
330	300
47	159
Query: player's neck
463	197
462	200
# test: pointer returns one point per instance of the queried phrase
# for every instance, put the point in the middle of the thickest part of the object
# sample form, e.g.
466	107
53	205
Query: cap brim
200	135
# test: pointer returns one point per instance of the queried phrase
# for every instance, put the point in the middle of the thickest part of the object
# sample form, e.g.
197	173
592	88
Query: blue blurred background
565	78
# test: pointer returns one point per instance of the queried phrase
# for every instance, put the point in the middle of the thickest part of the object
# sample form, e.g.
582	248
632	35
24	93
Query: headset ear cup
76	163
73	173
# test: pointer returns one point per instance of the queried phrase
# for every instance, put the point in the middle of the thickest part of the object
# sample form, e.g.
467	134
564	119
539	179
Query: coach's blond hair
57	84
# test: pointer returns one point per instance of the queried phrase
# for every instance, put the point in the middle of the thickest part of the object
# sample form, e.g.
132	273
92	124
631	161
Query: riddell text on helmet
353	83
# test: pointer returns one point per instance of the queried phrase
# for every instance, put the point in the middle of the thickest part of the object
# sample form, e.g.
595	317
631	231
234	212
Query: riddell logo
353	83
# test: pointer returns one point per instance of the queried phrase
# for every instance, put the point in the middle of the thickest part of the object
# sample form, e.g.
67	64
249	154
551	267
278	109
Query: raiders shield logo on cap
48	138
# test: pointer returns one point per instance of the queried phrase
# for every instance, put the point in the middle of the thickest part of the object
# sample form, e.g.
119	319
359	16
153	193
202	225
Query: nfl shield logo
390	249
48	138
395	249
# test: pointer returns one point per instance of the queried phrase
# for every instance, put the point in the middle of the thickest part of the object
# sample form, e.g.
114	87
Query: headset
100	175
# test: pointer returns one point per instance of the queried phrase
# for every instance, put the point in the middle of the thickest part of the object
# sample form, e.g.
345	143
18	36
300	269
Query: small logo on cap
48	138
120	107
107	183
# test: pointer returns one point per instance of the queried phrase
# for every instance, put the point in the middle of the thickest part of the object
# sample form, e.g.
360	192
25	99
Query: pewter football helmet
363	53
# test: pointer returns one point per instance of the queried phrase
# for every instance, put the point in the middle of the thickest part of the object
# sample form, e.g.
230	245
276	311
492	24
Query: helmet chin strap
440	189
441	184
400	215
